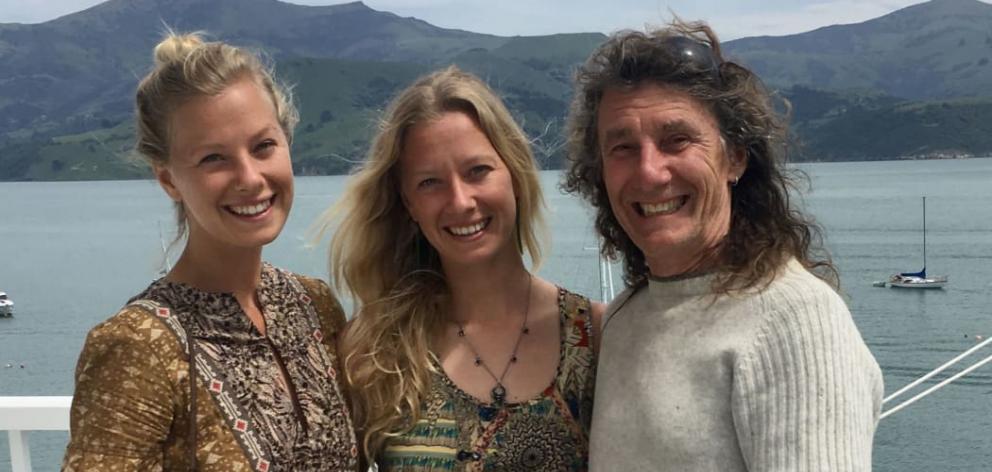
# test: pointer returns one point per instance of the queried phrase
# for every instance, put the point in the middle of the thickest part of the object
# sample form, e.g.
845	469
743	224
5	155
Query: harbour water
72	253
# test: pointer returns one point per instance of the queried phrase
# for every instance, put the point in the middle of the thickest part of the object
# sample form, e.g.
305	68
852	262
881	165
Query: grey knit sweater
778	380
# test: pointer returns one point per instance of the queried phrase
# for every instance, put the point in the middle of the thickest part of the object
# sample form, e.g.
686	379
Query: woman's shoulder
572	305
584	313
137	328
313	286
329	312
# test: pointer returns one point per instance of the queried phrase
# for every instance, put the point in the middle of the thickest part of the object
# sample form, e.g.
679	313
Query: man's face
667	173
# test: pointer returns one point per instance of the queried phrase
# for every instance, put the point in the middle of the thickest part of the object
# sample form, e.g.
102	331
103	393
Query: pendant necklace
498	393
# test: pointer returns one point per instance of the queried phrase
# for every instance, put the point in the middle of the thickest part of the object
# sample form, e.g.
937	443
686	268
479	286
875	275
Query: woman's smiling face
458	190
229	166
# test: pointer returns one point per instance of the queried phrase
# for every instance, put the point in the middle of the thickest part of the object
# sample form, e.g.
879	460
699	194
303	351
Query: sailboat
919	279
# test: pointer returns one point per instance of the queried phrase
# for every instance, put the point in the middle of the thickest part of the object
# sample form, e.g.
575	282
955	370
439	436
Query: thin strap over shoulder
576	317
577	372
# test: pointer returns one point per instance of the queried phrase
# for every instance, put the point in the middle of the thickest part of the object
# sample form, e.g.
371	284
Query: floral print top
131	409
547	433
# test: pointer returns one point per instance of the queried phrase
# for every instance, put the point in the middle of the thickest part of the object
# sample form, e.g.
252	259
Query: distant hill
911	84
934	50
83	67
67	85
834	126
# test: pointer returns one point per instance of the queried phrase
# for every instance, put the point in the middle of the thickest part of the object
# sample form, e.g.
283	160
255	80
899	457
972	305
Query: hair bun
176	48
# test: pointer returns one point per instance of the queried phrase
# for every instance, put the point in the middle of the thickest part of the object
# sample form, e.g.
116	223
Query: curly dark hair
765	229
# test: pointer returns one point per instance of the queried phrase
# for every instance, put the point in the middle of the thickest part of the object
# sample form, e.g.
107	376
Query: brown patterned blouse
131	406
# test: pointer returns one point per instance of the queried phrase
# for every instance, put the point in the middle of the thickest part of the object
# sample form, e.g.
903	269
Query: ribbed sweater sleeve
807	391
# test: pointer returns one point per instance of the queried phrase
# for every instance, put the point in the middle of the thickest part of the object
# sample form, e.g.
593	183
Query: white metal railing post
609	277
19	415
20	452
604	291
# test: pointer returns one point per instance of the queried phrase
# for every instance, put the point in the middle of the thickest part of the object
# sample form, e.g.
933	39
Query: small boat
6	306
919	279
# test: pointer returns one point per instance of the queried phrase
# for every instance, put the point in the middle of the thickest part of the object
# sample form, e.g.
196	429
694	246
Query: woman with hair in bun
459	358
226	363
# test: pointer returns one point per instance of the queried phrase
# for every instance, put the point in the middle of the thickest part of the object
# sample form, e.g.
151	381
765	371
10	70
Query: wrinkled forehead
671	109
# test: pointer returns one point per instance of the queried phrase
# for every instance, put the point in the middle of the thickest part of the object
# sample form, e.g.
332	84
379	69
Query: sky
730	19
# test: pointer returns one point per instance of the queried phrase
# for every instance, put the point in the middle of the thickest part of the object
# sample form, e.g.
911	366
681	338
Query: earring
736	179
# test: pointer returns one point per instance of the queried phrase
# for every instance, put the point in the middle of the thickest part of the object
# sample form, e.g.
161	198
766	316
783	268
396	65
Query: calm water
71	253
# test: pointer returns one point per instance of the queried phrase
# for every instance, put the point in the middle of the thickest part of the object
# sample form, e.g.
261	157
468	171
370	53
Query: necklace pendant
499	394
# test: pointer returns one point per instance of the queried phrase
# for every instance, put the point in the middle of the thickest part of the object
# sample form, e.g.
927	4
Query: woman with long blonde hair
458	357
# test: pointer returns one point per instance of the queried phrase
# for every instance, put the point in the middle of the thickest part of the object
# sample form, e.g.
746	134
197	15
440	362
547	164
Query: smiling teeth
468	230
252	210
651	209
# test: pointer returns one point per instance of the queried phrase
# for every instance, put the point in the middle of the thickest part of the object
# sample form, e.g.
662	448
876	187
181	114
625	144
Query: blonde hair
185	67
393	273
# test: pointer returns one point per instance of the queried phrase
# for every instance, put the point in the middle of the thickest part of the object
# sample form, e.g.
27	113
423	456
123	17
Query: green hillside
934	50
858	127
911	84
339	103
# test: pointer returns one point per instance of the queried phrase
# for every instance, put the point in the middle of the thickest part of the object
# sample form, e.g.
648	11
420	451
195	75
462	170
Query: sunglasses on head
696	56
683	58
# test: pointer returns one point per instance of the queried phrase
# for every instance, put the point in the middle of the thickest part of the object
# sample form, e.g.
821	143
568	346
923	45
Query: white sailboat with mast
919	279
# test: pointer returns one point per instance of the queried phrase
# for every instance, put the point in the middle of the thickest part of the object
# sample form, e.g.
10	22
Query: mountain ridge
919	52
67	85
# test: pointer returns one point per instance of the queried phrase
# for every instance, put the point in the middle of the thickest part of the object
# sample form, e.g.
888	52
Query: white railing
932	373
18	415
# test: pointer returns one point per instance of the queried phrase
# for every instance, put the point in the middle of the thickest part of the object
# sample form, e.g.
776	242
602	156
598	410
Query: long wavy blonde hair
393	273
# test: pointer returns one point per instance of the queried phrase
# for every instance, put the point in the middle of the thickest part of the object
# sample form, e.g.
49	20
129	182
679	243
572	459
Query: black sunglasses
682	58
697	56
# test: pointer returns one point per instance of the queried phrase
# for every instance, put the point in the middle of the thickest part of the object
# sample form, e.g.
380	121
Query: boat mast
924	234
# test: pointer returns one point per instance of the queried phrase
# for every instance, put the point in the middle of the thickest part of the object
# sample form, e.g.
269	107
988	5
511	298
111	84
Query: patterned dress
131	409
547	433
